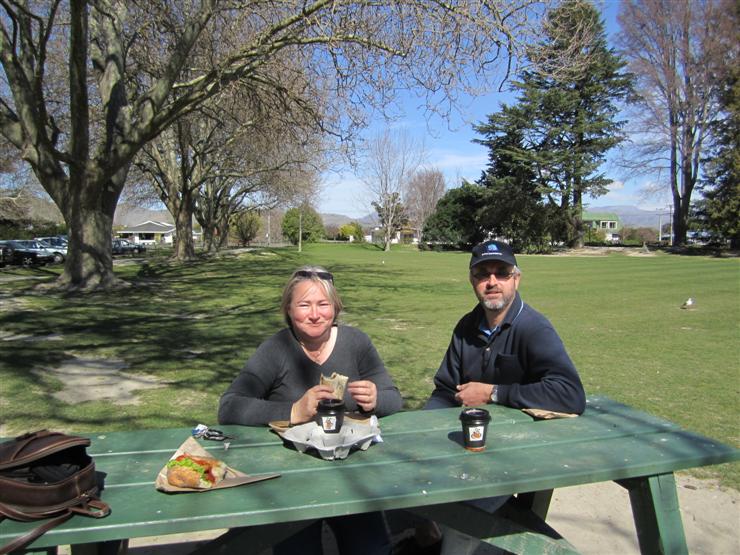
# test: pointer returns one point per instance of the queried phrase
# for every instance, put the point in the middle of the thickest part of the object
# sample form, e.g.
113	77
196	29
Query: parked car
14	252
54	244
55	241
122	246
42	248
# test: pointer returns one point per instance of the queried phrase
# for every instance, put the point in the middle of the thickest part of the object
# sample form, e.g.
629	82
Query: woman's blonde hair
318	275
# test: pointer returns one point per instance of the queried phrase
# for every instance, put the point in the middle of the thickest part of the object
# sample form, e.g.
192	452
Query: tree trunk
223	233
208	238
300	230
577	217
184	246
89	219
388	230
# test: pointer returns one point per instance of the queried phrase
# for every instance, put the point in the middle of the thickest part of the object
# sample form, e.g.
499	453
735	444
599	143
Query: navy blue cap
490	251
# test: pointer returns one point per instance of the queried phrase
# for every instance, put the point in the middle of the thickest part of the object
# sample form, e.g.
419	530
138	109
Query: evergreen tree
513	209
455	220
720	209
565	117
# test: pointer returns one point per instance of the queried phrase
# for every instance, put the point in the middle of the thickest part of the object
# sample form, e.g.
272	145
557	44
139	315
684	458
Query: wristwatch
494	394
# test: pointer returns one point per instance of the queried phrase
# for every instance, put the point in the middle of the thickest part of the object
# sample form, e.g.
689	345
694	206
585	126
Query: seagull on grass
688	303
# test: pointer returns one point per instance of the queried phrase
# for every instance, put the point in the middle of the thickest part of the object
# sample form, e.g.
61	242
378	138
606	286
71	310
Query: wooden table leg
657	514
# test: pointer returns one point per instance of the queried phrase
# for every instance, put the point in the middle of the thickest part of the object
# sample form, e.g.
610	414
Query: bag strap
90	506
35	533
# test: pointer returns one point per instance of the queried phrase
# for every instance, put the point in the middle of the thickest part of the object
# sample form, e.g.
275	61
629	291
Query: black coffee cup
330	415
475	428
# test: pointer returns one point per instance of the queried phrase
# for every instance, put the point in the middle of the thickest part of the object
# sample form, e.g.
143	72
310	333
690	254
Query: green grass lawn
194	325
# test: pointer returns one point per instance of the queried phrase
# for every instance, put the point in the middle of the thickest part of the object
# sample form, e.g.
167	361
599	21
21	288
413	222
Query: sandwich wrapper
353	434
542	414
232	478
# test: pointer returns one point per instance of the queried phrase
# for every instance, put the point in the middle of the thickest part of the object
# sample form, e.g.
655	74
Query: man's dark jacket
524	357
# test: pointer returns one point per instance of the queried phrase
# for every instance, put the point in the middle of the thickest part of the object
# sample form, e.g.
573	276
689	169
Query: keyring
203	431
216	435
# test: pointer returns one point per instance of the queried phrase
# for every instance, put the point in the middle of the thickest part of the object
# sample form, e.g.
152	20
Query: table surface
420	462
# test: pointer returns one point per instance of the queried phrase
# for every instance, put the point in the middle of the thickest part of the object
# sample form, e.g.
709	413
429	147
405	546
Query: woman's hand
304	409
364	393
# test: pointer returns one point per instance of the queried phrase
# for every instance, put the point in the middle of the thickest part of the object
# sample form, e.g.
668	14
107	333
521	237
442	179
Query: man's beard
499	305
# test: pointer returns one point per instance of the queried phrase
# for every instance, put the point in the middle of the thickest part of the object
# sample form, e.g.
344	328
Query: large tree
565	120
87	83
456	221
514	207
674	49
720	209
392	159
302	224
421	194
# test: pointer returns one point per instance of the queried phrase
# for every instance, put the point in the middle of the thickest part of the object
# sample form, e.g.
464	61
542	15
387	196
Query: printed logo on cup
328	423
475	433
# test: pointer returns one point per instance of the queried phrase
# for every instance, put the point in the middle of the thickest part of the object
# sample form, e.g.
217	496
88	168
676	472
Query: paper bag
232	478
542	414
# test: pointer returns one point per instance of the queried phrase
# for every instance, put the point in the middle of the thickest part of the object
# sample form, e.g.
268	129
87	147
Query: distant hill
126	216
338	220
632	216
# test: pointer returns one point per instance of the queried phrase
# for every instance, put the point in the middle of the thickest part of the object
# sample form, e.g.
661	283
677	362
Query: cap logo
492	247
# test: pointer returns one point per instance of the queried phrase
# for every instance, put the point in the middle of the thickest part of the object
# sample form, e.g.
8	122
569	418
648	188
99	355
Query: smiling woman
282	381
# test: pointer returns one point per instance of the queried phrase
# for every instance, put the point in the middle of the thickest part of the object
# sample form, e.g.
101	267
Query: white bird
688	303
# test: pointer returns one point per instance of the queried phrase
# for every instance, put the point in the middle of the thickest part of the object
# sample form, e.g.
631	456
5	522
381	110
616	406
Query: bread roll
187	471
336	381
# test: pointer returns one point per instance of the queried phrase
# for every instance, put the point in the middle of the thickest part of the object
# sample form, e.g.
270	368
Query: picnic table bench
420	466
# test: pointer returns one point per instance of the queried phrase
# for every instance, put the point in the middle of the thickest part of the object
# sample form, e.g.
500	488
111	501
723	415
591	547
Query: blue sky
450	149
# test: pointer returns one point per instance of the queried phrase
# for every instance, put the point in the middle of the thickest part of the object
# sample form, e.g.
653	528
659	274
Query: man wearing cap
504	351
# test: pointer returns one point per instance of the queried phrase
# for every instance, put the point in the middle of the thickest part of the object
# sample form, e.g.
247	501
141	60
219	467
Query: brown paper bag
542	414
233	477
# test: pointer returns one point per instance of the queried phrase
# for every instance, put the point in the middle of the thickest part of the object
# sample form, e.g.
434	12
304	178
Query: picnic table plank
419	463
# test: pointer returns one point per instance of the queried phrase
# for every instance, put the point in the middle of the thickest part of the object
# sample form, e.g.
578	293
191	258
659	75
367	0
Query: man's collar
514	310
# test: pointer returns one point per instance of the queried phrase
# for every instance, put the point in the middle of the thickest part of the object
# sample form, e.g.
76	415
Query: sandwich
188	471
336	381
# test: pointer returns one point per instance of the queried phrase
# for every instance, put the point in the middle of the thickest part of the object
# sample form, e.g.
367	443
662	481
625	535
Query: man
504	351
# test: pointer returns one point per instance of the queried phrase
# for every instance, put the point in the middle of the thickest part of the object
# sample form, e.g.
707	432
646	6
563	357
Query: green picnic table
420	466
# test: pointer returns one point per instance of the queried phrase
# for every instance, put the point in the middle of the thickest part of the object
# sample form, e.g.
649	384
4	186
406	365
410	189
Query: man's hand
304	409
474	393
364	393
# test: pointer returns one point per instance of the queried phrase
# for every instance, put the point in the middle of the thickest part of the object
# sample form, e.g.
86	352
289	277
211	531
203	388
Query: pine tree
566	117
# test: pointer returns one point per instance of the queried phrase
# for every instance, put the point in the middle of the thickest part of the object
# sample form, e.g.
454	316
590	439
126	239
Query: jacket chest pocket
506	369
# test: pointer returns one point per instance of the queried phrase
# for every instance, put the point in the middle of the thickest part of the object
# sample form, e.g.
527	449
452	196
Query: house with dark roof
148	233
608	222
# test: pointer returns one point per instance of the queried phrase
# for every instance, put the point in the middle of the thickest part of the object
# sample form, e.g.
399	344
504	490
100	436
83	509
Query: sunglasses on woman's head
326	276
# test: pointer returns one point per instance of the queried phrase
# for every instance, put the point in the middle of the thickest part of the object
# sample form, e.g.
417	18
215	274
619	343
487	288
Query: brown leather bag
43	475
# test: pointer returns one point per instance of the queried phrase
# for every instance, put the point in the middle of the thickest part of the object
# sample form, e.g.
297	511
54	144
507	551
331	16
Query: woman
280	381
